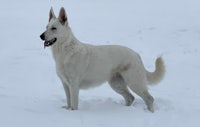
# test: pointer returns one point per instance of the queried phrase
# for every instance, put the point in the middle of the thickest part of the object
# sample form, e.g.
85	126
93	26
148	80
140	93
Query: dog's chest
70	66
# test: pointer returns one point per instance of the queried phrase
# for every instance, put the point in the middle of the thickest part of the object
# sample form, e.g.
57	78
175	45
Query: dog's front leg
74	93
67	93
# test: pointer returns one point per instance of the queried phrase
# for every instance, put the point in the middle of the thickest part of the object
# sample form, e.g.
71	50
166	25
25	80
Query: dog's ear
51	14
62	16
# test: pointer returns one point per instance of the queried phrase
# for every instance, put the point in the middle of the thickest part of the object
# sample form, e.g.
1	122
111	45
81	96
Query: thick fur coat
81	66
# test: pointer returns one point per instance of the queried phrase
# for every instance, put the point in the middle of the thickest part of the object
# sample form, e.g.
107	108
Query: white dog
81	66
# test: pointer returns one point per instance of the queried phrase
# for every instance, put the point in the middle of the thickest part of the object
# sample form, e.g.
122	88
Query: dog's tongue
49	43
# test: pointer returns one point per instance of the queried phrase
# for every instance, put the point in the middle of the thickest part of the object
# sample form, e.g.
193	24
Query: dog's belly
86	84
93	79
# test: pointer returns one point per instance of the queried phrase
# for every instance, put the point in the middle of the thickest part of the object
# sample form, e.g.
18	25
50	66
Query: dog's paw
129	100
67	107
151	109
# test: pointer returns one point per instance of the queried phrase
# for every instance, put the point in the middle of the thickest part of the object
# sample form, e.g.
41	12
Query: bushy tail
156	76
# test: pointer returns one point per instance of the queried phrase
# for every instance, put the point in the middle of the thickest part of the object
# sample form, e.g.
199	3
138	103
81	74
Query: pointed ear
62	16
51	14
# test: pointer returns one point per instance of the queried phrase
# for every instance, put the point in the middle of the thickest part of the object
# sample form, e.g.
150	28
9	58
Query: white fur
81	66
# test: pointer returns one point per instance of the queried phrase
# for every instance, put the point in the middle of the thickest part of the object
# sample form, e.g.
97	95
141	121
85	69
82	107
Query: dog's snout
42	36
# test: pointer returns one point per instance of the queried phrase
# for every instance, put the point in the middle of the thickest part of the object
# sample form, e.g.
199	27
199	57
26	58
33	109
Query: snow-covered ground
31	94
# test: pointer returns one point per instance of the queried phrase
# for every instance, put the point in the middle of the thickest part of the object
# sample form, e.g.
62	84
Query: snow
32	95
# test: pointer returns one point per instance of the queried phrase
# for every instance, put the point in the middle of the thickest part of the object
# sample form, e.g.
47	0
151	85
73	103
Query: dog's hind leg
144	94
118	85
148	99
136	81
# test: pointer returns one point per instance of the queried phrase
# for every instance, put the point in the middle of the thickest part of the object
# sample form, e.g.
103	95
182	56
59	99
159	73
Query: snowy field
31	95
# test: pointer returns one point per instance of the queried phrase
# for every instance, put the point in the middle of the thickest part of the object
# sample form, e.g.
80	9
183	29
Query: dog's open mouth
50	42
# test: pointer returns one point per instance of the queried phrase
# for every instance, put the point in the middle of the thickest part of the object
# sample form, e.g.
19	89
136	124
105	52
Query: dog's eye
53	28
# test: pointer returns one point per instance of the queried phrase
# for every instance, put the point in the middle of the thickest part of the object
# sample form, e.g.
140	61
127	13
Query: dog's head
56	29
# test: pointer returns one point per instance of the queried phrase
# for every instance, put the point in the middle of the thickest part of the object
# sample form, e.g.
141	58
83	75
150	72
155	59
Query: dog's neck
68	45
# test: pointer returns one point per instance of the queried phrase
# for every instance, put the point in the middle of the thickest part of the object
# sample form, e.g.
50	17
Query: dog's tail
156	76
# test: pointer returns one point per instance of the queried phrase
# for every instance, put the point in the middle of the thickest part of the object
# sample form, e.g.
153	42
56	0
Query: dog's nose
42	36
